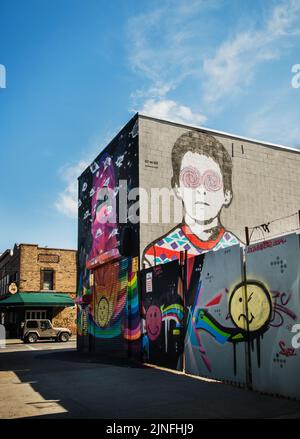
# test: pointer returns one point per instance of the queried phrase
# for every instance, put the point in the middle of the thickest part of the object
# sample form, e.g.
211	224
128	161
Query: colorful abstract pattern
162	315
132	326
109	299
112	310
213	342
181	239
99	225
103	213
173	312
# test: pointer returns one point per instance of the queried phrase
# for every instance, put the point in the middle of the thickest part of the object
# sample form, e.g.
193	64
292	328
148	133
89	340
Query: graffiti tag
286	351
281	301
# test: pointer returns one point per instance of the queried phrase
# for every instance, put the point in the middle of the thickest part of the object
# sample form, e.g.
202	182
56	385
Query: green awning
37	299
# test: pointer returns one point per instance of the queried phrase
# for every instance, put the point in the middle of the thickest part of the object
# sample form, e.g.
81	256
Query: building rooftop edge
202	128
224	133
39	247
49	248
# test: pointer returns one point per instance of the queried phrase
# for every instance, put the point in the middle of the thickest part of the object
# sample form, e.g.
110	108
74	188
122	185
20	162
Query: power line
274	220
265	228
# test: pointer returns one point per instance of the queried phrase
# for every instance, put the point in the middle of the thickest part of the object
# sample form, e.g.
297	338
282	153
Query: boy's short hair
204	144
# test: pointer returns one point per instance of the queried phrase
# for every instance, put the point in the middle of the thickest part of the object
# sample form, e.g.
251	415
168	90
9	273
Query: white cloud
232	67
163	47
159	90
285	19
168	109
162	42
67	200
167	47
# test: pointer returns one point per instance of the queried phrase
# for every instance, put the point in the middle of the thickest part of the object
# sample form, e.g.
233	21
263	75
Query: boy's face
201	187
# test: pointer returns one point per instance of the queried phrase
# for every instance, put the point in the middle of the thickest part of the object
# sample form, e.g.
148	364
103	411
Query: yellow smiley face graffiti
106	289
252	310
102	314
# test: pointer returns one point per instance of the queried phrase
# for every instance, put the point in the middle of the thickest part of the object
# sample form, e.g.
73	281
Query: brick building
37	282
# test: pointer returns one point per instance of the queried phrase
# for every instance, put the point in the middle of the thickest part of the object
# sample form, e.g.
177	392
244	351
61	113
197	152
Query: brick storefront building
37	282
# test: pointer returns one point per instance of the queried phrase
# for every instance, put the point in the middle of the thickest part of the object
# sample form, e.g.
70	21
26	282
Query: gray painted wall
266	180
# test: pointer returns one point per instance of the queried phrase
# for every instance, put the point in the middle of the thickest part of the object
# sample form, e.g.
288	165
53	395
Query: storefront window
48	280
35	314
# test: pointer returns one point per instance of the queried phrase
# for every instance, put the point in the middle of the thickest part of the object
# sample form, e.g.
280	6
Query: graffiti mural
112	310
249	309
247	320
107	287
238	321
131	329
276	264
162	314
109	298
104	227
214	341
103	312
225	311
202	180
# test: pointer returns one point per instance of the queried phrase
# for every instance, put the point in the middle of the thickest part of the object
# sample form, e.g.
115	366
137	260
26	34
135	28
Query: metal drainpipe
248	344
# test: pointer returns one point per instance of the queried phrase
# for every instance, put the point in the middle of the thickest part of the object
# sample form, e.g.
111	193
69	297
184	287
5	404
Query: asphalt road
51	380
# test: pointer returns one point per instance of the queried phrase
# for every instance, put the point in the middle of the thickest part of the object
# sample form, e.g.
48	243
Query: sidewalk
12	341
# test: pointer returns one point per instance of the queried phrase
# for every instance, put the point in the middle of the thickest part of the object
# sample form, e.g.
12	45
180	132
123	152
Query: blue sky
77	70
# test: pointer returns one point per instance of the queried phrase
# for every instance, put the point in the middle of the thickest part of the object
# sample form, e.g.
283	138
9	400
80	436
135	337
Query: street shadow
73	356
97	386
108	359
45	372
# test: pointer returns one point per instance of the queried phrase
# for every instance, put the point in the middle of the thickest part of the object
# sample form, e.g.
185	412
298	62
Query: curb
19	341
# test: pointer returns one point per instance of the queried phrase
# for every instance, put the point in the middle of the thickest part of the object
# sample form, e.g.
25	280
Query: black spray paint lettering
265	227
296	78
296	338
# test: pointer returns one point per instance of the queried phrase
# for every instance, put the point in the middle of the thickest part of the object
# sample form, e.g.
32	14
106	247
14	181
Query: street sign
13	289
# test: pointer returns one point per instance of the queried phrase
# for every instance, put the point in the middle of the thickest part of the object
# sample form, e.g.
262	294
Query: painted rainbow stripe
203	322
115	327
172	312
109	332
132	327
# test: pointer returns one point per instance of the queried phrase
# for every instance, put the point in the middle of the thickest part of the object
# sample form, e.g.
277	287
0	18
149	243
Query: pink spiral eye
190	177
212	181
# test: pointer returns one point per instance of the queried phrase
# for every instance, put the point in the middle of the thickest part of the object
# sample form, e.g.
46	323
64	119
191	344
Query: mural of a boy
202	179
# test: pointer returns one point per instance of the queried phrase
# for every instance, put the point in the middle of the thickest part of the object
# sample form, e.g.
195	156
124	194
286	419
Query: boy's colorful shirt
181	239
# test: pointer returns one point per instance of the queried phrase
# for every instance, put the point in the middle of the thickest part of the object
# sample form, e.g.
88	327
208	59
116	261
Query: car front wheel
32	338
64	336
